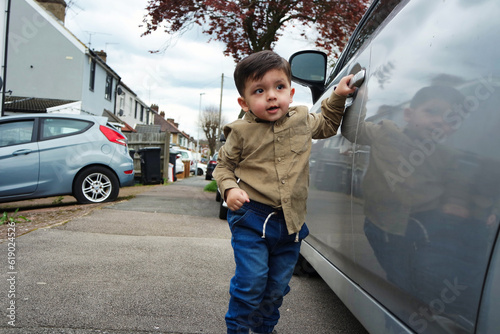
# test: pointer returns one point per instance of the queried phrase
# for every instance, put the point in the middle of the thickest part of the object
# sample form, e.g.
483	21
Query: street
158	263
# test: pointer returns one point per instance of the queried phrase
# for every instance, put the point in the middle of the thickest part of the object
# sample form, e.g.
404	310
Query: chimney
56	7
155	107
162	114
103	55
171	120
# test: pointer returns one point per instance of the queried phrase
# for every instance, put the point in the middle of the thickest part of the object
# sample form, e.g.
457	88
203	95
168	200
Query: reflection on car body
413	232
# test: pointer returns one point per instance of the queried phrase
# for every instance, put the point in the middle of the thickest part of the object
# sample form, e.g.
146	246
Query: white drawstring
265	223
297	237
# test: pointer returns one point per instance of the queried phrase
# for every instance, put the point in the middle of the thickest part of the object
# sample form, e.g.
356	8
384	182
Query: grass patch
211	187
13	219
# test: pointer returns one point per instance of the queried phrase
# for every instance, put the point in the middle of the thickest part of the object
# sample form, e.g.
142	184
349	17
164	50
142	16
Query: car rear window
56	127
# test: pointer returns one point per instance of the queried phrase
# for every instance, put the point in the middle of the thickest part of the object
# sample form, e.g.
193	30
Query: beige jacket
271	159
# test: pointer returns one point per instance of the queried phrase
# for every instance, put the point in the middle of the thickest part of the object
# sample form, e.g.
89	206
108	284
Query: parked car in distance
179	165
201	168
211	166
46	155
404	203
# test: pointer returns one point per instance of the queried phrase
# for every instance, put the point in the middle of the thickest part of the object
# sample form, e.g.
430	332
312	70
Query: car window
383	10
14	133
56	127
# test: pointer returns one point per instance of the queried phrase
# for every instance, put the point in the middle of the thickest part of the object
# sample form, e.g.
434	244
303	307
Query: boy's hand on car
235	198
343	88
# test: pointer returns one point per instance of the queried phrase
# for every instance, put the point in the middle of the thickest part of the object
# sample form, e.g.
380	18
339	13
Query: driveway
158	263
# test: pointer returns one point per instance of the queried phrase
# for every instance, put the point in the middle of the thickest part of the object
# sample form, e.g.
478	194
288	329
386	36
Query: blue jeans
265	256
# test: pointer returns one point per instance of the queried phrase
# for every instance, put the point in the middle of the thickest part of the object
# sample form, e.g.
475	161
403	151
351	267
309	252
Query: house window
136	106
92	75
142	113
109	87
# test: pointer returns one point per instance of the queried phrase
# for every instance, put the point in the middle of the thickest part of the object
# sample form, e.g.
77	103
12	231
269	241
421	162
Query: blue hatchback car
44	155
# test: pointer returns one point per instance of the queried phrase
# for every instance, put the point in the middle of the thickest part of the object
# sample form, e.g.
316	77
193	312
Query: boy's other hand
235	198
342	88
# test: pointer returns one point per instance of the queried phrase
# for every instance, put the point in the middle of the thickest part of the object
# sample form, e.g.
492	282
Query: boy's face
268	98
429	117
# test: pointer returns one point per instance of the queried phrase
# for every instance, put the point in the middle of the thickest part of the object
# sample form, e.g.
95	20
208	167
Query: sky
182	80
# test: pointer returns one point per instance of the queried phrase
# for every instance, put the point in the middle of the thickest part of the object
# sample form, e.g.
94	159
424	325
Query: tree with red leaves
247	26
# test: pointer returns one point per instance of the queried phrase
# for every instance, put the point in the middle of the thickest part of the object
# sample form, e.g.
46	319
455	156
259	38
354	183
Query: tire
304	268
222	211
200	171
96	185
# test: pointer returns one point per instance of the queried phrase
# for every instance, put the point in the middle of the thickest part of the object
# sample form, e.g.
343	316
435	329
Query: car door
425	127
65	147
19	157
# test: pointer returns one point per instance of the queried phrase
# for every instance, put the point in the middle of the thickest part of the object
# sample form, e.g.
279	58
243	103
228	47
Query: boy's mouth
273	109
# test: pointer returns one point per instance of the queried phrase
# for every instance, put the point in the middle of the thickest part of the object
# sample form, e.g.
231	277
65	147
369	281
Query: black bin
132	153
150	165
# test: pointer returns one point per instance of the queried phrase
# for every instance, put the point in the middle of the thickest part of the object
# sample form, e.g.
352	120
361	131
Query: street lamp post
198	144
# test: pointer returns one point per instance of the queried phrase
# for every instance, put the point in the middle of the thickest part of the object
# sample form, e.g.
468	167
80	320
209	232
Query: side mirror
309	69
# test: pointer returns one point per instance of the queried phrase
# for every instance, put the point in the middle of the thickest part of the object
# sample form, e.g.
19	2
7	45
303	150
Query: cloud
175	78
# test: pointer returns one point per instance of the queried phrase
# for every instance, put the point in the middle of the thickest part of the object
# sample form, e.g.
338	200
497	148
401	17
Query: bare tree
209	122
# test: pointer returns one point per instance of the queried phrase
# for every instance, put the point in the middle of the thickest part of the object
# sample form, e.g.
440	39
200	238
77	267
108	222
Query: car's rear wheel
222	211
96	185
200	171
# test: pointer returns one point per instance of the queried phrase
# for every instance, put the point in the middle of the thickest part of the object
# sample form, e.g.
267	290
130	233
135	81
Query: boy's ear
243	104
292	93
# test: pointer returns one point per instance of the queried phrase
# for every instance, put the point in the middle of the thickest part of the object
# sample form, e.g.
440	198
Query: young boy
263	174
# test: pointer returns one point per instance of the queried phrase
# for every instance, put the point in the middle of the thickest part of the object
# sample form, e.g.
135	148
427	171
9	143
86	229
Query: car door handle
356	81
22	152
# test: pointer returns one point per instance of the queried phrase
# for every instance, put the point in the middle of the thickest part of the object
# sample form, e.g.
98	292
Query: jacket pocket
300	139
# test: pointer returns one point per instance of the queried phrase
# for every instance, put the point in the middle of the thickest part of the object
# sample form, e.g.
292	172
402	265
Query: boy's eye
259	91
280	87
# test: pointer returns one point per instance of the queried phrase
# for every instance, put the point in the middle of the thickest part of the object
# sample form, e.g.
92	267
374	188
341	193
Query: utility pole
4	24
198	149
220	111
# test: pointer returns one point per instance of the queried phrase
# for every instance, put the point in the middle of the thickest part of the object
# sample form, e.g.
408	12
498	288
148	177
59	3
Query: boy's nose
271	95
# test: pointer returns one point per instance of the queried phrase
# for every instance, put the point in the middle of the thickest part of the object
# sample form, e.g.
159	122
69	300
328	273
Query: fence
136	141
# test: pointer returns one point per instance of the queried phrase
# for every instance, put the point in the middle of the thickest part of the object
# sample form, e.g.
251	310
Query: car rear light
113	136
129	171
213	162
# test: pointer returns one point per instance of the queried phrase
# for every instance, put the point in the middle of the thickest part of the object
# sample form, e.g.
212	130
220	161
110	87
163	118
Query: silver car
45	155
404	203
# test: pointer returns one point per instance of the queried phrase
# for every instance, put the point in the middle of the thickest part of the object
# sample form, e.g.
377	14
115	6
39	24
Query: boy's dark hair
445	93
256	65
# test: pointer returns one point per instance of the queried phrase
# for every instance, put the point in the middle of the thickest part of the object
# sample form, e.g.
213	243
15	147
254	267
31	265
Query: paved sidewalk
159	263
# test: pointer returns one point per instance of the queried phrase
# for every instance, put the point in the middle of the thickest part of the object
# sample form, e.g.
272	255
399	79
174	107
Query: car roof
99	119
